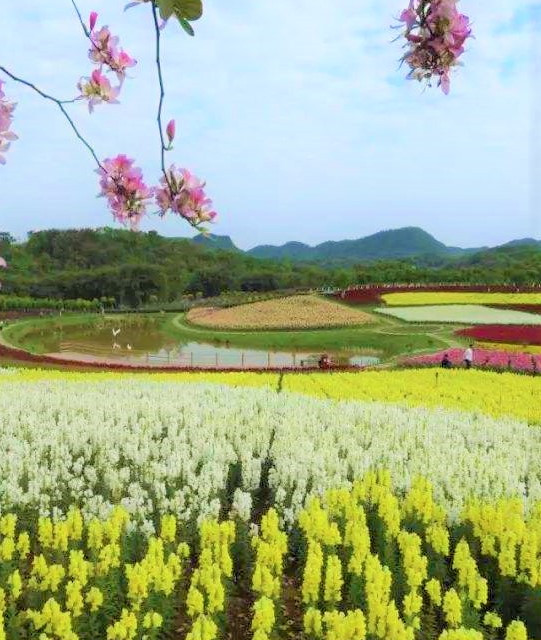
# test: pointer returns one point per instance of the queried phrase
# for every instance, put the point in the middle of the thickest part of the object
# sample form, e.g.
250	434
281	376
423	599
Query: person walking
468	357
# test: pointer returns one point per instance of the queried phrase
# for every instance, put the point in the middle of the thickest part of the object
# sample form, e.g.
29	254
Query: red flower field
510	334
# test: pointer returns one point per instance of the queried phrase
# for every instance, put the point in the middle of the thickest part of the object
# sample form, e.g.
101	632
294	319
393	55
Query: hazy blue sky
295	113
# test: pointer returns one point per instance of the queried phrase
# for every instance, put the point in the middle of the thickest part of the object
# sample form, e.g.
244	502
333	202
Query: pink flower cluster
483	358
6	118
97	89
123	186
435	34
184	194
105	53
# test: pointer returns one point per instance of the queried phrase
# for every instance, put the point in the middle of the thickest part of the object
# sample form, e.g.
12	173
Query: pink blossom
3	263
93	20
171	131
98	89
105	51
483	358
435	35
184	194
6	118
122	184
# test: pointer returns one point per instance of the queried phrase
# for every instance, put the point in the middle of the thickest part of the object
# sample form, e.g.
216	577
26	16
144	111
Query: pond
141	341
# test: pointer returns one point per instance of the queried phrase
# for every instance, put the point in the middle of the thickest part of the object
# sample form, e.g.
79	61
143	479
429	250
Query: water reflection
140	342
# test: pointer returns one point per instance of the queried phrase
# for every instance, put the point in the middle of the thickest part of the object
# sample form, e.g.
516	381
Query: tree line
135	269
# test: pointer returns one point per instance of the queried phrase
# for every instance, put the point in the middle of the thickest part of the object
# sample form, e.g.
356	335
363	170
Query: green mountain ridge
391	244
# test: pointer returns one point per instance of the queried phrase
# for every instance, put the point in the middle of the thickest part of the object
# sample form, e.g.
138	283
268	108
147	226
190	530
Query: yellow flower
74	522
493	620
23	544
152	620
313	622
452	608
516	631
74	598
195	602
125	628
45	533
7	549
264	616
333	580
94	598
15	584
60	536
7	525
312	574
95	535
203	628
433	589
168	530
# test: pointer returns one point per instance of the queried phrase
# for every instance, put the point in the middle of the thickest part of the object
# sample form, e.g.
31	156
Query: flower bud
171	131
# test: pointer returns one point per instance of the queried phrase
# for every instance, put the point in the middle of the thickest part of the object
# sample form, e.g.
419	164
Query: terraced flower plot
294	312
461	314
413	298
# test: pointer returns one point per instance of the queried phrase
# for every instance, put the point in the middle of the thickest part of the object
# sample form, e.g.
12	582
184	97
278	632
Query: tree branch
162	90
60	104
83	25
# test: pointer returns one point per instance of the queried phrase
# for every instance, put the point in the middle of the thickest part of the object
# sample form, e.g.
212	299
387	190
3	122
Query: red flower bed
371	294
510	334
482	358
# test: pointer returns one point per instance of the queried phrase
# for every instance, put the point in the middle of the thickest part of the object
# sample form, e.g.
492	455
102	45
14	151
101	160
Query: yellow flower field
372	564
512	348
294	312
496	394
488	392
414	298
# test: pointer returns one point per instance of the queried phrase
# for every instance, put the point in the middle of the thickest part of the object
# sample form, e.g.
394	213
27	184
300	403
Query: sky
296	114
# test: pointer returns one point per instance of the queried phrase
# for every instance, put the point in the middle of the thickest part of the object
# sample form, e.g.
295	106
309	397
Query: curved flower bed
509	334
371	294
483	358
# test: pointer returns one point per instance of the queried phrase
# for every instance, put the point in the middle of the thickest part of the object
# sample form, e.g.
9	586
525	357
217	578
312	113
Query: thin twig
60	104
83	25
162	91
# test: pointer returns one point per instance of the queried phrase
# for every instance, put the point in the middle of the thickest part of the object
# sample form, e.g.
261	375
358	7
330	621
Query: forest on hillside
137	268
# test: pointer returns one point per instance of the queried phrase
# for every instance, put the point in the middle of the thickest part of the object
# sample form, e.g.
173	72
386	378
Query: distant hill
212	241
391	244
523	242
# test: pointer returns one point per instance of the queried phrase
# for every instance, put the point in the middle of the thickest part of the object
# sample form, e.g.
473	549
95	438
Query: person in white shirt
468	357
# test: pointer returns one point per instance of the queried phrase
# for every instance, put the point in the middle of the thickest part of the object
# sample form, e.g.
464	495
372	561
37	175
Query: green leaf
186	26
188	9
167	8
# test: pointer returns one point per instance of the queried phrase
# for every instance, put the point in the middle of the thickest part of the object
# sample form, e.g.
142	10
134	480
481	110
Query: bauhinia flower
6	118
171	131
184	194
435	34
123	186
3	263
97	89
105	50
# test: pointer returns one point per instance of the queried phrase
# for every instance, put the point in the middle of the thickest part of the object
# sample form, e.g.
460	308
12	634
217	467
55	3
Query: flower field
461	314
490	358
528	335
413	298
174	506
293	312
